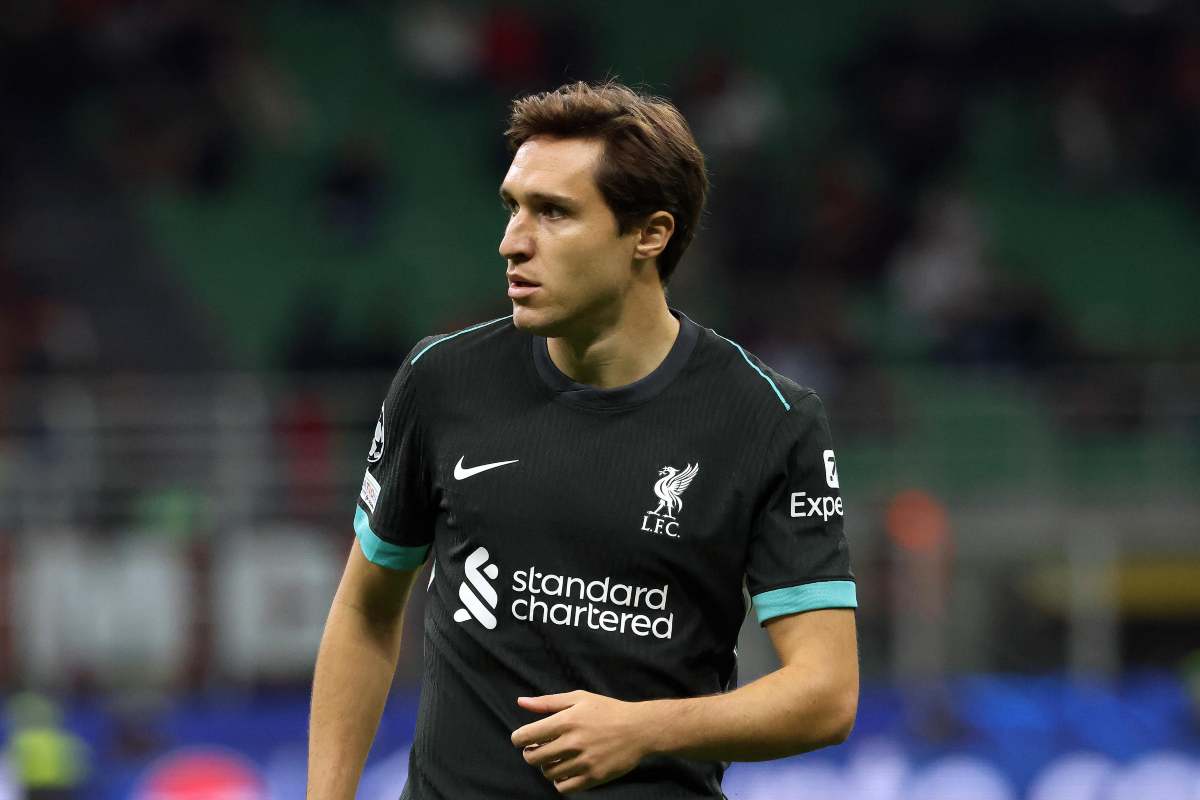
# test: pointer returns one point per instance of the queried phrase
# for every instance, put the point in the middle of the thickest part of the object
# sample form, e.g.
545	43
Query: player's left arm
809	702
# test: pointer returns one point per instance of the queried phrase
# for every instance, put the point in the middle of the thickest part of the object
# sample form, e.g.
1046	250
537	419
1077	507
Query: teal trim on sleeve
806	597
386	554
459	333
786	405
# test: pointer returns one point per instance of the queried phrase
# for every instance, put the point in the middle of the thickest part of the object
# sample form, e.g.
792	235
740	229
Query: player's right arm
355	665
393	525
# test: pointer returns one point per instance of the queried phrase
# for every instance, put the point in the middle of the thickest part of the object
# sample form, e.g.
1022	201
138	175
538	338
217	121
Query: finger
549	703
543	730
573	784
540	732
560	771
549	753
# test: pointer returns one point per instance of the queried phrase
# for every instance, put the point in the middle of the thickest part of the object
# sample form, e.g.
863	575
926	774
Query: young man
600	482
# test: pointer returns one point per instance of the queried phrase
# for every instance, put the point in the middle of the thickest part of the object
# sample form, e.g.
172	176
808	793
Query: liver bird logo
669	488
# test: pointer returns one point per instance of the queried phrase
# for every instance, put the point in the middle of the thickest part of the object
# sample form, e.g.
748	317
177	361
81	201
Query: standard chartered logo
470	595
549	599
562	600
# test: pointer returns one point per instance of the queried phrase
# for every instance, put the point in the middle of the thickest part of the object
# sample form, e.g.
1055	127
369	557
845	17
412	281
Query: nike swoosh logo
462	473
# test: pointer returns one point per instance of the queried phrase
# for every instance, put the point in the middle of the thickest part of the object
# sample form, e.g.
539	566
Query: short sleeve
394	519
798	559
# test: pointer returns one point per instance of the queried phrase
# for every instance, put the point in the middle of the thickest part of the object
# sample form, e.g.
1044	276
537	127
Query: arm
355	666
809	702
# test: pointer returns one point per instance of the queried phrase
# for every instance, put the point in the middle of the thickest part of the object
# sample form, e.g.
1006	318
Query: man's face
567	266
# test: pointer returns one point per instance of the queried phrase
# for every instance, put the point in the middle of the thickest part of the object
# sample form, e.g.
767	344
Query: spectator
50	762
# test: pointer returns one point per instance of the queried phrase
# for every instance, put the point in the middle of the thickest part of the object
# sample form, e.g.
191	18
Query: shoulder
460	354
753	385
444	349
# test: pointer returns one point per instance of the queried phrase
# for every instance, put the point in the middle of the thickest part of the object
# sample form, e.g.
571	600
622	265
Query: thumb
549	703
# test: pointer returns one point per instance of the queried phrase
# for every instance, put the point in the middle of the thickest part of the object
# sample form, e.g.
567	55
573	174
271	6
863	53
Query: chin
539	322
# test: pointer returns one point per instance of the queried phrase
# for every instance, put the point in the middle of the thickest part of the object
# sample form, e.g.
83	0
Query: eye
552	211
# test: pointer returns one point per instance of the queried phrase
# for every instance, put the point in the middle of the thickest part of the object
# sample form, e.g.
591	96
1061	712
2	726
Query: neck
626	347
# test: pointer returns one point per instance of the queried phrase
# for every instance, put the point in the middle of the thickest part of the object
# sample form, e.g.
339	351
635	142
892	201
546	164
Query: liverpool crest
669	487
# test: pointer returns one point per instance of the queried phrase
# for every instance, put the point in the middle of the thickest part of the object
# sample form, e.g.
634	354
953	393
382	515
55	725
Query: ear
654	235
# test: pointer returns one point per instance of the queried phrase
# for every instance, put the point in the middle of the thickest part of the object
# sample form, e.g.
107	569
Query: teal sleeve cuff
806	597
386	554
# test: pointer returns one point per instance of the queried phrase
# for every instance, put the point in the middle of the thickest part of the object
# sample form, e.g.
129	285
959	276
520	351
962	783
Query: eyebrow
541	197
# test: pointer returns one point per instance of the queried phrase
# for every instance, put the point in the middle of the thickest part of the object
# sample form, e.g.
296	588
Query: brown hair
650	160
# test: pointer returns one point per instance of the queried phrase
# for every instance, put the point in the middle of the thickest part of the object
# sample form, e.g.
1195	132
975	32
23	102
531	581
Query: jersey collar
630	394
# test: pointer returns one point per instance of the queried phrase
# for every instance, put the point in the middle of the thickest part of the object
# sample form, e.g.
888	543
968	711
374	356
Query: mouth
520	287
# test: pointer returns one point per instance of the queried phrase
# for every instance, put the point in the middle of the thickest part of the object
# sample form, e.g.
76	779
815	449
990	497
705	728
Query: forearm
355	666
791	710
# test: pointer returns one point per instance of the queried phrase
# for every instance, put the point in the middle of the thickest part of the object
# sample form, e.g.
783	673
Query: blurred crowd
174	94
865	246
882	208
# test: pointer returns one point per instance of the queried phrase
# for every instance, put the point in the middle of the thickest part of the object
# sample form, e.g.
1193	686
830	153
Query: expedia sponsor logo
823	507
831	475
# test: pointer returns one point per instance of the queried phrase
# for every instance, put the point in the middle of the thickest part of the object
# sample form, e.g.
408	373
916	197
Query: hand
587	740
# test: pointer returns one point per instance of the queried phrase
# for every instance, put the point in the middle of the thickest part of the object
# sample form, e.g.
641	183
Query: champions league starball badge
377	445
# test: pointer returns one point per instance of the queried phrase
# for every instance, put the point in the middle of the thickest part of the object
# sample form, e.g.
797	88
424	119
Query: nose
517	245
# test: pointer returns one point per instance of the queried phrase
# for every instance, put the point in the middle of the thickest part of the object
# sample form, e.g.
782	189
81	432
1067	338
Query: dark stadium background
973	227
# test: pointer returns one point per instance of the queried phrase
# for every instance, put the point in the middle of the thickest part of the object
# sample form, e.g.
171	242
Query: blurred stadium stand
971	226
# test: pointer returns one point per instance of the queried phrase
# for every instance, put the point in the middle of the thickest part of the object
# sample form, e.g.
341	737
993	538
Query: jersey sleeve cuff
806	597
383	553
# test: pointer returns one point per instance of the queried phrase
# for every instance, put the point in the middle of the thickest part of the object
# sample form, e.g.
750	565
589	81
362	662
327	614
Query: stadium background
972	226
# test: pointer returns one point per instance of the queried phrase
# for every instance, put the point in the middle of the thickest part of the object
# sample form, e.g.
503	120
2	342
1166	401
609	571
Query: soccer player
603	486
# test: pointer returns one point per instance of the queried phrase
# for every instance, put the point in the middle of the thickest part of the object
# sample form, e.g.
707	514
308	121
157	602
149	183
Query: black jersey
608	540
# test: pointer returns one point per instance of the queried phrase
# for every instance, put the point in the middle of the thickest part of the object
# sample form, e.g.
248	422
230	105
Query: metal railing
223	450
1044	496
